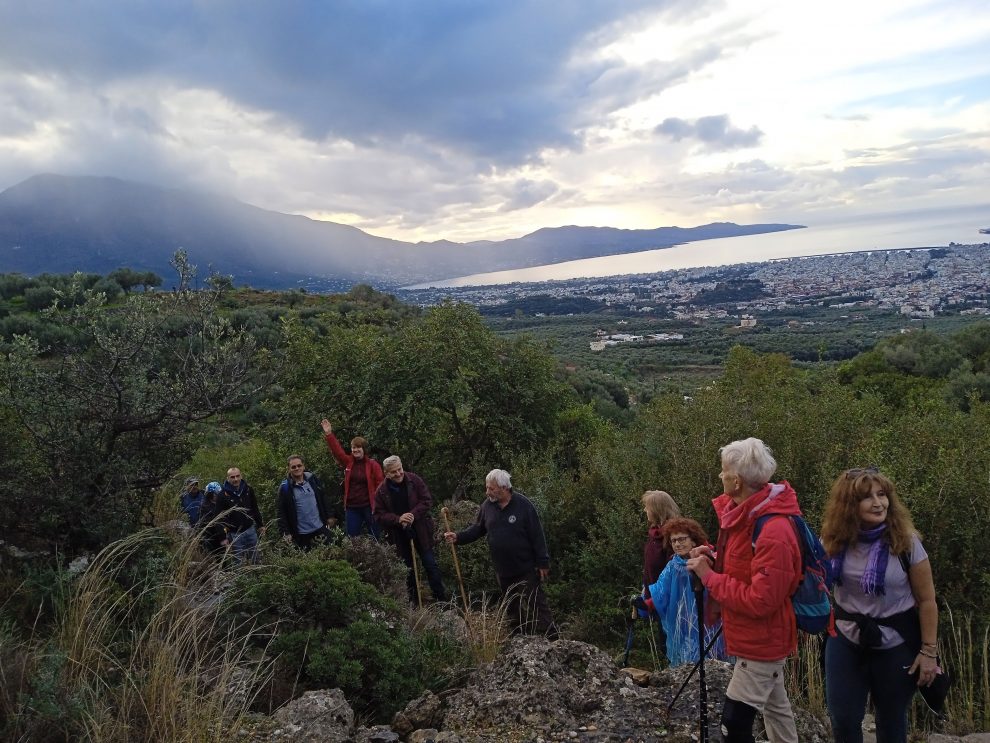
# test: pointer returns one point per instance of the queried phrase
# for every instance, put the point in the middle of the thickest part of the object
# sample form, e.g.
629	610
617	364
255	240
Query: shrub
334	630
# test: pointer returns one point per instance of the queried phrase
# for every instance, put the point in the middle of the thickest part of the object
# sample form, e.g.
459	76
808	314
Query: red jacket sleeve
774	572
342	457
375	479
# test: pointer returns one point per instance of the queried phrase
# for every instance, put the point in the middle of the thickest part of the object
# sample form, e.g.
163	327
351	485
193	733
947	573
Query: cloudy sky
466	119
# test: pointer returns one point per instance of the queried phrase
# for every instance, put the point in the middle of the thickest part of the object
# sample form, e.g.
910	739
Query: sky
478	119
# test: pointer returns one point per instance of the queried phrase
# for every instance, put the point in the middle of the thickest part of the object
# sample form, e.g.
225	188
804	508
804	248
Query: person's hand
261	531
287	538
406	519
926	667
327	428
450	536
331	522
544	572
700	566
702	549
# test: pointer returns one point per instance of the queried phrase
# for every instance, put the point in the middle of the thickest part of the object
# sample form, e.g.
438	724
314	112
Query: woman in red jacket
753	585
362	477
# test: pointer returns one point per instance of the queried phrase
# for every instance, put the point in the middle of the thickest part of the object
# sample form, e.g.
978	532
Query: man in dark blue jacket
243	517
303	512
519	552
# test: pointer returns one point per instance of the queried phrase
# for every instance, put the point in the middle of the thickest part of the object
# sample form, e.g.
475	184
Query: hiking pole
711	642
699	600
457	565
631	623
412	551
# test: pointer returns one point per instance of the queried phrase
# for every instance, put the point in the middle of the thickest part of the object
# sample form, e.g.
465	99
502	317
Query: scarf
876	561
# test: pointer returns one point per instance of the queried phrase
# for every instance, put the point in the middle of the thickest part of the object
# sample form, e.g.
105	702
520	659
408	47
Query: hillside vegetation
108	402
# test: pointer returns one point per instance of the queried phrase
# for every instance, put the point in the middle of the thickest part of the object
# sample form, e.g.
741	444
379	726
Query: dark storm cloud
500	81
716	132
526	193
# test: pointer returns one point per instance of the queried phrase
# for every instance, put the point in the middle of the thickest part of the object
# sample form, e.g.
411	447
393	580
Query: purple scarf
876	562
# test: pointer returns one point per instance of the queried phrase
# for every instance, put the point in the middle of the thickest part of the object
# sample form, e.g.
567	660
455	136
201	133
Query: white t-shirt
897	587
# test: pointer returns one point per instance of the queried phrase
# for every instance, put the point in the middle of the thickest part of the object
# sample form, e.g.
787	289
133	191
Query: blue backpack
811	602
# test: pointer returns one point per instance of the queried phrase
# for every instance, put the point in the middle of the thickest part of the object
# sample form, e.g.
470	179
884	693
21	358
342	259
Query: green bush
334	630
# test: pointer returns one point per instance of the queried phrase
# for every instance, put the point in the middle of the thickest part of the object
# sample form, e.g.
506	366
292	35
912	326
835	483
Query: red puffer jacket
754	588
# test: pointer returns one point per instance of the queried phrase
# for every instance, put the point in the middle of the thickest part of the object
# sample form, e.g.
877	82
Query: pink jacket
754	588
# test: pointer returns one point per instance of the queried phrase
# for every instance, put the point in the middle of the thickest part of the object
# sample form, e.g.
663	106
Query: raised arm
335	448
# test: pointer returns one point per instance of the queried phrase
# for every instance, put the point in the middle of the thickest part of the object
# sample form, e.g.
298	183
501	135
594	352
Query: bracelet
929	644
927	655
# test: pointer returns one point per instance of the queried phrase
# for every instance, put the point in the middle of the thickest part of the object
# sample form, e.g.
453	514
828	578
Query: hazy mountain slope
61	224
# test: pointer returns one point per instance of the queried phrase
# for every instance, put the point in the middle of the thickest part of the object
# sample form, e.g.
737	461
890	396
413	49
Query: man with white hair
402	510
519	552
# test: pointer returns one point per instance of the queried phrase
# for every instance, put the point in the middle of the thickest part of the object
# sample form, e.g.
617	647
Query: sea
930	228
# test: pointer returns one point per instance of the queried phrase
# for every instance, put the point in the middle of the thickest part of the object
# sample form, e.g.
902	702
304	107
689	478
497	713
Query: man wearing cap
303	512
191	500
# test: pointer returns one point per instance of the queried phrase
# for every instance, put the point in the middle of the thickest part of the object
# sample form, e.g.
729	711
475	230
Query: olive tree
106	412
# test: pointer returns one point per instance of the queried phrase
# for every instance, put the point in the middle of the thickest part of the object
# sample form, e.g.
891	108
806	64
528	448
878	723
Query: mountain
60	224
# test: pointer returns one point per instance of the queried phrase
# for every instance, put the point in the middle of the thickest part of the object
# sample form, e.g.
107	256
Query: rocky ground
540	692
535	691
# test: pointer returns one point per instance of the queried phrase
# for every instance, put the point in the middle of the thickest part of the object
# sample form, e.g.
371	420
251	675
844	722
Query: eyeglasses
860	471
678	540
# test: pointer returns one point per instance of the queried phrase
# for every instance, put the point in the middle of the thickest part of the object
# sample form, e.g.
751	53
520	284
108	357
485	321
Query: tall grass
966	652
145	659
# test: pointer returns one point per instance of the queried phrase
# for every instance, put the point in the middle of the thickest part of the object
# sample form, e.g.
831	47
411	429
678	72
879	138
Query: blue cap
213	487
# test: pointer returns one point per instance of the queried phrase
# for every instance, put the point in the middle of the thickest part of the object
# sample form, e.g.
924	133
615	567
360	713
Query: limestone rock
315	717
376	734
422	712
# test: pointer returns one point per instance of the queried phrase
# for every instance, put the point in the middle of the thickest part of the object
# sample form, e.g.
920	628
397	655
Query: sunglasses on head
858	471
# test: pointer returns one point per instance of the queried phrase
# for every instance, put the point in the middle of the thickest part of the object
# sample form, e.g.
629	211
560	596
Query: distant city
918	282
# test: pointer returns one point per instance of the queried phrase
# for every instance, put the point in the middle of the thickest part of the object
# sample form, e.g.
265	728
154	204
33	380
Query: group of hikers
884	642
386	502
883	645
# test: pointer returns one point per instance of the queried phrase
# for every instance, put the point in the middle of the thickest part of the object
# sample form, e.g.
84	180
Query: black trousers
526	606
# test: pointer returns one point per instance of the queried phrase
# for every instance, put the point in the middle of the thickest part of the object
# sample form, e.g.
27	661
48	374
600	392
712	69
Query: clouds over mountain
488	119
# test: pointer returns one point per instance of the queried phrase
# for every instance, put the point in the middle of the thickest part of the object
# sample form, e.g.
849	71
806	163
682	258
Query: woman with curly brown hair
672	595
886	615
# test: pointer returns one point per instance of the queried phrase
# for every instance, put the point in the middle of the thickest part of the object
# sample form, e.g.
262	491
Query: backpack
810	601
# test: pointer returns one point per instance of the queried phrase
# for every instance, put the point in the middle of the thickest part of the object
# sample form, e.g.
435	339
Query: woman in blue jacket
672	596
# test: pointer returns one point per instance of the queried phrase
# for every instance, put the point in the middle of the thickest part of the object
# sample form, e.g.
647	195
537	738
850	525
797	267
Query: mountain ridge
60	224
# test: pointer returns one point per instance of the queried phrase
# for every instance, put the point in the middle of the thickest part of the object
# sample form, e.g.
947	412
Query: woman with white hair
753	584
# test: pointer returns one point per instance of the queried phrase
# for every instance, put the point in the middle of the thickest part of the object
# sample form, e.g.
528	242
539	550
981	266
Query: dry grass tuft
141	660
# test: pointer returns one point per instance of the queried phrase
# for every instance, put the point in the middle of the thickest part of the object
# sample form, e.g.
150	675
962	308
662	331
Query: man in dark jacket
243	518
402	510
519	552
303	512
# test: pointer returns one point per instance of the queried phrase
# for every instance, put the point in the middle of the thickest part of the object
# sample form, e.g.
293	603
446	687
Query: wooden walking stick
457	565
412	550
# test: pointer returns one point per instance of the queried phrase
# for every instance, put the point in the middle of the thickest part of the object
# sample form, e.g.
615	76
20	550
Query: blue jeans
244	545
851	673
355	517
